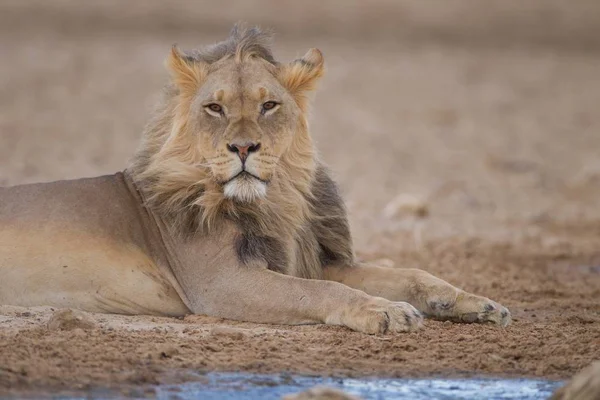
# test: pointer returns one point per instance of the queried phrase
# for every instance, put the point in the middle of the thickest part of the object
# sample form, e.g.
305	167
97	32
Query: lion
225	210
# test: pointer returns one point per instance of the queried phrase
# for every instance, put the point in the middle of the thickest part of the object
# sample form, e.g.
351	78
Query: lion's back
92	203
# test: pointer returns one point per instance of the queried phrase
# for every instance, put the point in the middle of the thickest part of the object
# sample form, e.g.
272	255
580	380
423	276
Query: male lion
224	211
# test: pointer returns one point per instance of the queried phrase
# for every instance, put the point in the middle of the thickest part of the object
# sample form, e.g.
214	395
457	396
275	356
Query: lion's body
91	244
225	210
84	244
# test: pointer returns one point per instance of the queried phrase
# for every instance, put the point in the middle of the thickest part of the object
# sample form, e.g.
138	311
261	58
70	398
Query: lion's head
232	131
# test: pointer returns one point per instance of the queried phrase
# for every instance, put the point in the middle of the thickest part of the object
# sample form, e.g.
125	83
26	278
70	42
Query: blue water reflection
250	386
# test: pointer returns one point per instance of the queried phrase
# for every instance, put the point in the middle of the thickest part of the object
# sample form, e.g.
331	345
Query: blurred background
466	117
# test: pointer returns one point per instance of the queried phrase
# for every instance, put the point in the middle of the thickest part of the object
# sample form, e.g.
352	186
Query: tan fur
300	77
86	273
187	75
225	210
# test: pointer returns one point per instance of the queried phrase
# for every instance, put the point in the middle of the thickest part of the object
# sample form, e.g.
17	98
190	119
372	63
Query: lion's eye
269	105
214	107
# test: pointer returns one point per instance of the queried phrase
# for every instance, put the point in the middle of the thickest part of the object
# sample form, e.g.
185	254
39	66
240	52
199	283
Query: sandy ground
483	115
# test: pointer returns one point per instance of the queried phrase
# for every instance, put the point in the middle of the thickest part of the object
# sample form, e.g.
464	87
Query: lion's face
244	116
245	121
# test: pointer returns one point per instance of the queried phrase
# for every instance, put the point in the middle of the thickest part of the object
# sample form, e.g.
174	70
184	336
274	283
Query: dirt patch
471	155
68	320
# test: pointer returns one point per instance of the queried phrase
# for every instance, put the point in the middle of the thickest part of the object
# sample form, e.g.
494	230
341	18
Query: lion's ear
186	72
302	75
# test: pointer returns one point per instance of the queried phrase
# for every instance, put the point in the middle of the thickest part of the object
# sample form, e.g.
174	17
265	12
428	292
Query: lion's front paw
470	308
379	316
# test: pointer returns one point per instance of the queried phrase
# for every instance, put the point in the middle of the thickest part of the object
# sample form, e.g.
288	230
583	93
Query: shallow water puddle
237	386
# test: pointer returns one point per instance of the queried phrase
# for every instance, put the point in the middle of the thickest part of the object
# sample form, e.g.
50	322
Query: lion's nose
243	151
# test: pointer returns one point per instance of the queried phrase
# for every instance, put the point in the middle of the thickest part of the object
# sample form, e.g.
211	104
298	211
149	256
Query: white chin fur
245	189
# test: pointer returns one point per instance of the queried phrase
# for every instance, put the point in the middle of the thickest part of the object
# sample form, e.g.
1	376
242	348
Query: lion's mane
302	221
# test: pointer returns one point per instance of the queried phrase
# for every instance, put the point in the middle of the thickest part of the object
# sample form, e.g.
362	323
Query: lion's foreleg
259	295
430	295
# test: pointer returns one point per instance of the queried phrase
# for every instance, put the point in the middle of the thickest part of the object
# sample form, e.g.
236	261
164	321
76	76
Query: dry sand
485	119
